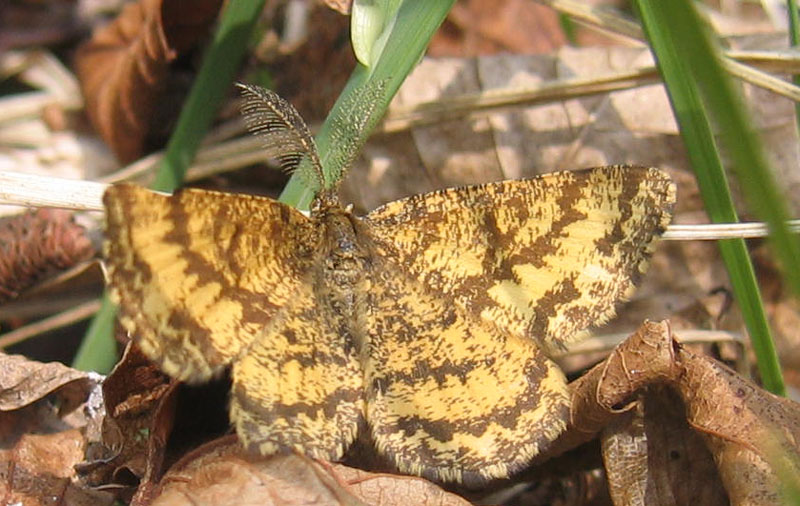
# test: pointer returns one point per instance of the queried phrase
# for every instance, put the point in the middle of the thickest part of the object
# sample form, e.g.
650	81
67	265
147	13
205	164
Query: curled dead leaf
24	381
139	402
653	457
122	68
751	434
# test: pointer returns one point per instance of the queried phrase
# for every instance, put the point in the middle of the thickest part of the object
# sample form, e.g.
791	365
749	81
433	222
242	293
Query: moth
426	322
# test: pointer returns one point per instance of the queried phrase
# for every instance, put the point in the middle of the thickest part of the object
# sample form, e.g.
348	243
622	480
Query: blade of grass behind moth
696	82
569	27
220	62
414	25
794	40
213	80
98	351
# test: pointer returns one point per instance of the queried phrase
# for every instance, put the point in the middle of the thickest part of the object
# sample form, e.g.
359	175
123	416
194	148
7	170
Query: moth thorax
345	262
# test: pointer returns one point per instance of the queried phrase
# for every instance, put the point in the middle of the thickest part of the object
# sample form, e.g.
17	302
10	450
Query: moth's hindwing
300	386
473	284
450	397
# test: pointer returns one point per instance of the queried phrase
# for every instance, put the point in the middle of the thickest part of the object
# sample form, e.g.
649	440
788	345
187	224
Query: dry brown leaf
151	419
222	473
139	402
751	434
653	458
37	470
477	27
382	489
123	66
24	381
40	429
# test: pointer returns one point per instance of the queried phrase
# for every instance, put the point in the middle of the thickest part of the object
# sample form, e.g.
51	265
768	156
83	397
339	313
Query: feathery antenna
286	136
348	135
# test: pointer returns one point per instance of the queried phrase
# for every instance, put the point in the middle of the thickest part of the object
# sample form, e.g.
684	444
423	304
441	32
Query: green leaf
371	22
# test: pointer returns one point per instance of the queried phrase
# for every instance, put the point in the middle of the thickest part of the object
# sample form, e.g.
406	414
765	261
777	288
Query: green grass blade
98	351
569	27
794	40
214	78
414	25
700	92
216	73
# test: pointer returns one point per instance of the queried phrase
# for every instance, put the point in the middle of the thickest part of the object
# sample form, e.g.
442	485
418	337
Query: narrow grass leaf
700	92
